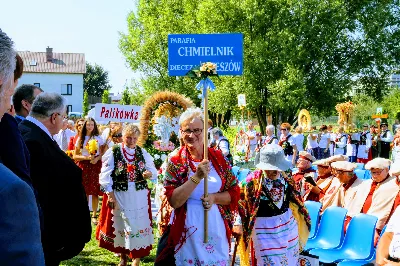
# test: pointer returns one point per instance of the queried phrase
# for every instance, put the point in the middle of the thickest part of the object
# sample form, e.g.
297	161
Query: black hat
384	124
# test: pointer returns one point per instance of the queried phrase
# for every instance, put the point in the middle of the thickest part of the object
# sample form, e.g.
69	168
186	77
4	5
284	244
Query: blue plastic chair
235	170
360	173
361	262
360	166
330	232
314	209
243	174
358	243
367	174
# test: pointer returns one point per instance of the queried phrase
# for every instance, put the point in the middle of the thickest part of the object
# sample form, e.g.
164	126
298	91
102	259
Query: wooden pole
206	157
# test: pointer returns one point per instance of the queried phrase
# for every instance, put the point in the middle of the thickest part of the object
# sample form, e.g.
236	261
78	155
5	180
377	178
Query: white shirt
105	134
324	140
59	136
267	139
252	133
312	143
39	124
84	151
393	226
389	136
299	140
107	168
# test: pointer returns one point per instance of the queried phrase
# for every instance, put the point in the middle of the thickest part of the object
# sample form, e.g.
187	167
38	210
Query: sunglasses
284	129
119	135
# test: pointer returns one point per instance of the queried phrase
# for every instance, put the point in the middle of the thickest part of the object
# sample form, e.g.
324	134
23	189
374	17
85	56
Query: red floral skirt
90	177
105	233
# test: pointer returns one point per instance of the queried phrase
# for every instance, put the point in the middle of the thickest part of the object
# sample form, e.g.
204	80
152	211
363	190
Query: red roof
72	63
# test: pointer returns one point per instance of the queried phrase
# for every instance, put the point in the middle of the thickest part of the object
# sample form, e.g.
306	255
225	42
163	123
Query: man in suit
57	180
20	242
22	100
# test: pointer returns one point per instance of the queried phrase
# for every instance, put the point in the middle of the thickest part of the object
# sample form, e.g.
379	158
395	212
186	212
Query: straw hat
337	158
273	158
322	162
378	163
306	156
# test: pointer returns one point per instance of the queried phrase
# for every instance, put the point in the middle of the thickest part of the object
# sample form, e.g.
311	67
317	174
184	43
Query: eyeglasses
119	135
196	131
64	117
376	171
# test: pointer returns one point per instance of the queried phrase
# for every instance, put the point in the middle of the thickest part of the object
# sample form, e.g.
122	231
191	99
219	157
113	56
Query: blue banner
188	50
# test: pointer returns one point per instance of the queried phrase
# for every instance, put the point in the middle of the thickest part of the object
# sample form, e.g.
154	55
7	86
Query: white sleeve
274	141
57	138
107	168
391	226
343	142
389	137
368	142
150	163
223	145
100	140
77	142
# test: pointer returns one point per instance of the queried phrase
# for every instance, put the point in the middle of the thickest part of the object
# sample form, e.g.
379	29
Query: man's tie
64	143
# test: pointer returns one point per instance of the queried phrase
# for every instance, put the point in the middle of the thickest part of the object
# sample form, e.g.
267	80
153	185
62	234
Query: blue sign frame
186	51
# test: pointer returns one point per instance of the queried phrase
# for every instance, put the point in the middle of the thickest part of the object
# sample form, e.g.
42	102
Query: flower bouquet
92	146
158	146
70	153
204	71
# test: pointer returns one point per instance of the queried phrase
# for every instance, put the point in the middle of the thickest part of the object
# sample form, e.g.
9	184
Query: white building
56	72
394	80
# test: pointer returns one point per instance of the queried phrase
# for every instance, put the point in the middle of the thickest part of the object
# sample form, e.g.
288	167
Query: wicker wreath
163	103
304	119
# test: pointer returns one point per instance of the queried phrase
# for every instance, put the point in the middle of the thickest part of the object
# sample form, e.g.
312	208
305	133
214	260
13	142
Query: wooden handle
206	157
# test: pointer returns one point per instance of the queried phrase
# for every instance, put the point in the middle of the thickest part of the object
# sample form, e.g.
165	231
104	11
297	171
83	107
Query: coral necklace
125	152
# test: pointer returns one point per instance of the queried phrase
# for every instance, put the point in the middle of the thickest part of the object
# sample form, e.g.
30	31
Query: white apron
194	251
133	228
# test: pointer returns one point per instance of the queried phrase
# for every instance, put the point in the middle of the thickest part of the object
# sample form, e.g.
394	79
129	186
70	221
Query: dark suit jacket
19	222
62	197
19	120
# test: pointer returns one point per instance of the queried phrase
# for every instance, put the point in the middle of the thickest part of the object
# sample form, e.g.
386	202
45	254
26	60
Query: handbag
162	243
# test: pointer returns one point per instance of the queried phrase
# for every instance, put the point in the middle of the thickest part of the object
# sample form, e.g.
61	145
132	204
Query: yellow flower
202	68
92	146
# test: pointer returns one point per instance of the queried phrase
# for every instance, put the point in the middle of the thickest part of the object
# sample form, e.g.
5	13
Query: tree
297	54
95	80
126	97
105	97
85	103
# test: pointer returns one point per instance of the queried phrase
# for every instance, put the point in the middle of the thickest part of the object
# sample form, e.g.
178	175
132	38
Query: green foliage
230	134
297	54
85	103
126	97
104	98
95	80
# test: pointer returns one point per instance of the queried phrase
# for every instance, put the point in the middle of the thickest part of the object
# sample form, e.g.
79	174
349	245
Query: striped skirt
276	240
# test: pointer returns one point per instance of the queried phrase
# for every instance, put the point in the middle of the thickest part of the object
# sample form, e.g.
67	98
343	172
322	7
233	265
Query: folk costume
346	192
287	142
375	198
328	184
393	226
340	144
128	228
300	174
90	172
275	222
386	138
352	146
364	147
270	140
184	238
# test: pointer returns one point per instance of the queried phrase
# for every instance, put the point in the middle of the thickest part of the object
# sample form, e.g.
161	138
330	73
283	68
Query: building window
69	109
66	89
36	84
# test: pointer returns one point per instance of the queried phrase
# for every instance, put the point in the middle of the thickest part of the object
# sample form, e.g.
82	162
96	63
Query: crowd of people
49	166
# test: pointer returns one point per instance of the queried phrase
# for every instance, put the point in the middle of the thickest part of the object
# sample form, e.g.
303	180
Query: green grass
93	255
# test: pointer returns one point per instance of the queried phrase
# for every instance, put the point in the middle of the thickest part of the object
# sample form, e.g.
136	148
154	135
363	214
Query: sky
72	26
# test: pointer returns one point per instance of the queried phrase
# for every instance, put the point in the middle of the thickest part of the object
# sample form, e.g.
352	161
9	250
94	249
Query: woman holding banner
183	242
125	224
